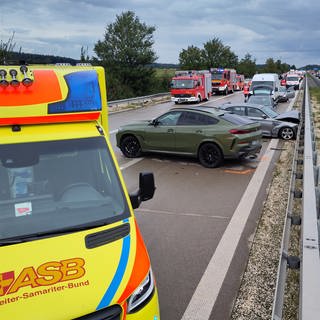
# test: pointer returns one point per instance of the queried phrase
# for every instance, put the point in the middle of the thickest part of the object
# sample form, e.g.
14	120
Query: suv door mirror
154	122
146	189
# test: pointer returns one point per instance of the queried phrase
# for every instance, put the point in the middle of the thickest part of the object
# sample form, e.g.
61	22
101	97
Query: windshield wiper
51	233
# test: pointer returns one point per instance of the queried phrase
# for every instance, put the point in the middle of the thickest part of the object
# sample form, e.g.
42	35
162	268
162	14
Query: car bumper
282	99
181	100
249	150
219	89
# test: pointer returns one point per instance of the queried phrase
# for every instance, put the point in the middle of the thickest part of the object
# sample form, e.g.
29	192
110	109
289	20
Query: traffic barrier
124	103
308	262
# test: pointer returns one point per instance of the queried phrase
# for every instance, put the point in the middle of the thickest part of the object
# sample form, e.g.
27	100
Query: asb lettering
46	274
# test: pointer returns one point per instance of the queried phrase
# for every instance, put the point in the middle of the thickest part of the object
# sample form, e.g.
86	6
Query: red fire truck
191	86
224	80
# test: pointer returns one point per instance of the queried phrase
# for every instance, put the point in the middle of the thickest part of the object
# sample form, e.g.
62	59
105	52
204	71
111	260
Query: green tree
270	66
217	55
213	54
6	49
84	56
275	66
191	58
247	66
126	53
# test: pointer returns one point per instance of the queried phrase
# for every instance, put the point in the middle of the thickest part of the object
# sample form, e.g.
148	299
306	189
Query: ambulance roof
51	94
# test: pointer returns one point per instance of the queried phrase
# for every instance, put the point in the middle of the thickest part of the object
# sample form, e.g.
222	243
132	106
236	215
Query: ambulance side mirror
146	189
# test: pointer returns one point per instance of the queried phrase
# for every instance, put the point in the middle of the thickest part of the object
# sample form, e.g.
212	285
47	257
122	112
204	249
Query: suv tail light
239	131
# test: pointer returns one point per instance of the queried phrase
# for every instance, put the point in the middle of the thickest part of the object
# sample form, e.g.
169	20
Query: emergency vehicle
224	80
293	80
70	245
190	86
240	82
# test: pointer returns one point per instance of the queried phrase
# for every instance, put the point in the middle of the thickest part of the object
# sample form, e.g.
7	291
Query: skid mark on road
180	214
247	171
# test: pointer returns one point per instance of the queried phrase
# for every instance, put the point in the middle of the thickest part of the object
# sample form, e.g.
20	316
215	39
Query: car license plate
254	143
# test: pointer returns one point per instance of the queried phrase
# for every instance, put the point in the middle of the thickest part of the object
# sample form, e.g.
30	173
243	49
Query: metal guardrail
309	260
144	99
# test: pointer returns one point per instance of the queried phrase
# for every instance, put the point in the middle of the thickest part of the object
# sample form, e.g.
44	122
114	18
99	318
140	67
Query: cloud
286	30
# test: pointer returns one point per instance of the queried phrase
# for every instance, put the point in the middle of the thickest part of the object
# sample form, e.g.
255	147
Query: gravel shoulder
257	289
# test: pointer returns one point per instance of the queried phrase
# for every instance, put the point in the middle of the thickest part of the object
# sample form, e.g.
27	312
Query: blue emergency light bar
83	94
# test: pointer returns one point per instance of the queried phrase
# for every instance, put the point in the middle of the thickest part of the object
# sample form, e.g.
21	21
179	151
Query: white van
293	80
267	79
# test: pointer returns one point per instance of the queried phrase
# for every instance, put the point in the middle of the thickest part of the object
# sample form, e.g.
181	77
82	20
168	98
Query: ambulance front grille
110	313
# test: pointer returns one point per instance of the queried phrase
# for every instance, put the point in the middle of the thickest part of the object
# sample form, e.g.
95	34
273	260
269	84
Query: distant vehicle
262	90
293	80
265	100
269	79
206	133
285	94
224	80
191	86
273	124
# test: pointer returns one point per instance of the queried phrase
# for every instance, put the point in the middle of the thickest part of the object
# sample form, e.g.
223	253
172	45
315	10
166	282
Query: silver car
285	94
262	99
273	124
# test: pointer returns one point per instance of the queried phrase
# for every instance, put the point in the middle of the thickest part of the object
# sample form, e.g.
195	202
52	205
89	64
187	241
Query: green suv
209	134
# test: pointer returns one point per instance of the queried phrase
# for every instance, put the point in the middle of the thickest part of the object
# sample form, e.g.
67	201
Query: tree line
126	52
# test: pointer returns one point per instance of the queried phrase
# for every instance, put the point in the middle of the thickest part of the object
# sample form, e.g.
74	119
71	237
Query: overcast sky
281	29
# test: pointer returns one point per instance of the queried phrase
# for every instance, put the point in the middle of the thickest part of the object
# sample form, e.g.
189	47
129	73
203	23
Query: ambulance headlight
142	294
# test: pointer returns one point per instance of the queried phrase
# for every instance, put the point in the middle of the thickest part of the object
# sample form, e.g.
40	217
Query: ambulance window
58	184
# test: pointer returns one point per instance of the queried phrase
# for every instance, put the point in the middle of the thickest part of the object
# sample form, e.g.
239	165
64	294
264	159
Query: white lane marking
180	213
130	163
206	293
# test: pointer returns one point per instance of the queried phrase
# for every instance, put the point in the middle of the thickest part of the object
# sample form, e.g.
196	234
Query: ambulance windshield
49	186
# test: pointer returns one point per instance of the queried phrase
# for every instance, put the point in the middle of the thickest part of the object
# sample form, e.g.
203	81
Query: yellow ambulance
70	247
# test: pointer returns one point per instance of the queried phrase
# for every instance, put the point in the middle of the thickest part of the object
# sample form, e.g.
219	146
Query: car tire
210	155
130	147
286	133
